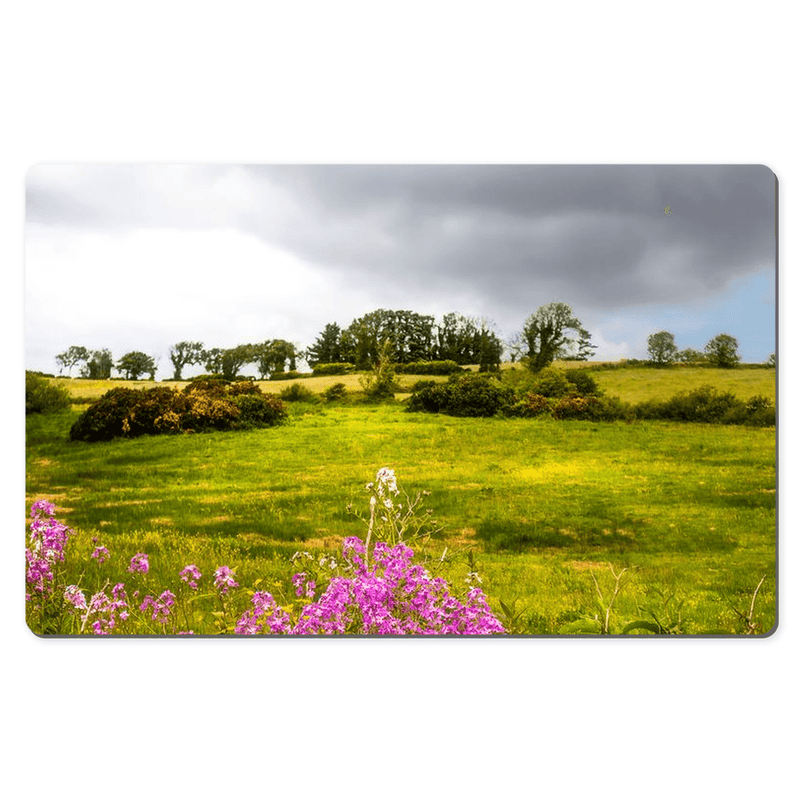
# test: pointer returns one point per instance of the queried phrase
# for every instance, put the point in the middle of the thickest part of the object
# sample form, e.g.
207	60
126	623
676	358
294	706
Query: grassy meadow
552	510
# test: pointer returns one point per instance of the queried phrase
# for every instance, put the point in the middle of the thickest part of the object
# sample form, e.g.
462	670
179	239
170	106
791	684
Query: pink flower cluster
139	563
161	606
393	596
224	579
105	610
190	575
46	542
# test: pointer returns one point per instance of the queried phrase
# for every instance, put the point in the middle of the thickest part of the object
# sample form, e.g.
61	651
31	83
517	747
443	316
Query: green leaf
592	626
641	624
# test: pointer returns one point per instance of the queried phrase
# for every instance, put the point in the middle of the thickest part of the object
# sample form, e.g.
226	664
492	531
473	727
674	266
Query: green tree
228	361
662	349
327	349
272	356
546	334
379	382
99	365
72	356
689	356
136	363
722	351
184	353
490	349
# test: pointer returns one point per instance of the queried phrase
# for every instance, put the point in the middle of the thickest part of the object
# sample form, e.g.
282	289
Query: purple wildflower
101	554
224	579
139	563
190	574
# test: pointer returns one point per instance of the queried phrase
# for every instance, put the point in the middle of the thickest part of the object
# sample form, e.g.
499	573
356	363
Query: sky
139	257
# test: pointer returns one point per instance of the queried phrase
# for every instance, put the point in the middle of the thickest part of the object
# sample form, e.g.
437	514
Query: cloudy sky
138	257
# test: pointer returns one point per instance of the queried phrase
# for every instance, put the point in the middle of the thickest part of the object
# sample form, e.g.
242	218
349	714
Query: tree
98	365
545	334
722	351
662	349
72	356
490	349
184	353
136	363
229	361
690	356
271	356
379	382
328	347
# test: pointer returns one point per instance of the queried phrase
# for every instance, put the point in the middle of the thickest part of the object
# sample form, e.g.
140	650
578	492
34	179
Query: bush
296	392
135	412
583	382
43	397
214	384
335	392
105	419
578	408
429	368
337	368
243	387
259	410
291	375
707	404
472	395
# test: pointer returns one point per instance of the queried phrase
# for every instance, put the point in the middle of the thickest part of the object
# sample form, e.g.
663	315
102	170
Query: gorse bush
42	396
376	586
203	405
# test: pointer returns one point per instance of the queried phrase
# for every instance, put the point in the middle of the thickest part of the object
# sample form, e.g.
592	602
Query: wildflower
101	554
161	606
191	574
139	563
75	597
302	585
224	579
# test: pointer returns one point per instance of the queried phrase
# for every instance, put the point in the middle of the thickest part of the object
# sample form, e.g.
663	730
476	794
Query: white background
429	82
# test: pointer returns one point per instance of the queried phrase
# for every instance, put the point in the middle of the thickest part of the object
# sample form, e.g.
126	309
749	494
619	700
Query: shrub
135	412
335	392
296	392
535	405
286	376
43	397
418	386
210	411
472	395
214	384
577	408
106	418
429	368
336	368
243	387
259	410
156	410
583	382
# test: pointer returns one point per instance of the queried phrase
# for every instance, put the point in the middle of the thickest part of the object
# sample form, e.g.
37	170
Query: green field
551	510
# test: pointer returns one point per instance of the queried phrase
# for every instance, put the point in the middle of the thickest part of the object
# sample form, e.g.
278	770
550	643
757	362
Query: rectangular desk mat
401	400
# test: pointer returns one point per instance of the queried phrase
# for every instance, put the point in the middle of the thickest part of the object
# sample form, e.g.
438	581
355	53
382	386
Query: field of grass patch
552	510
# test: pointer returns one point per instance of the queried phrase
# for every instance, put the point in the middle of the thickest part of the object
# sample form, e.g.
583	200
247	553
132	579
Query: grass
547	506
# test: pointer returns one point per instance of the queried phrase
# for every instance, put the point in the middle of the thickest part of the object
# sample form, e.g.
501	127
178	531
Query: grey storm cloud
596	237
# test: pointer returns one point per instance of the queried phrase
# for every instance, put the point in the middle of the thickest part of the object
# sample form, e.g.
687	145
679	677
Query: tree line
552	332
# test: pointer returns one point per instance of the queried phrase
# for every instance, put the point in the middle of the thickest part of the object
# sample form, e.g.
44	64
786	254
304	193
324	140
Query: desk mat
401	400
